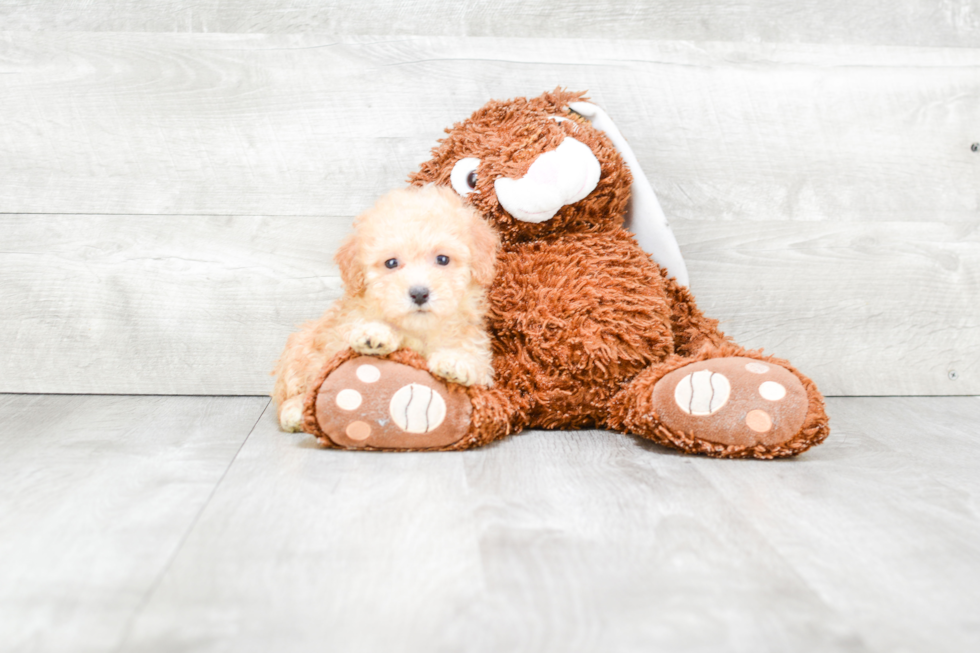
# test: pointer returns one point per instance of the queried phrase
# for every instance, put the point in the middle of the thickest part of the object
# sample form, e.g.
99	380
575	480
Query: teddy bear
589	330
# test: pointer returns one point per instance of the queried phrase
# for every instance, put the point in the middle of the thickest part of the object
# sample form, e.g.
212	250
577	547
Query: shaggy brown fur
584	324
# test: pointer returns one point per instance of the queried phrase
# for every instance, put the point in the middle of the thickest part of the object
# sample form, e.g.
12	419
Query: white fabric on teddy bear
644	216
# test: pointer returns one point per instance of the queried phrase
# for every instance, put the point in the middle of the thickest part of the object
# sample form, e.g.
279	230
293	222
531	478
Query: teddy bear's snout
557	178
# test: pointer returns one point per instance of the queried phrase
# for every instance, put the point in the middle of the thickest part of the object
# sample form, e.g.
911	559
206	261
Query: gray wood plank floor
96	496
182	524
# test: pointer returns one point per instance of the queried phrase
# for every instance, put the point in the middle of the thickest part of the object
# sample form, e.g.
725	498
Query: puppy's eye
463	176
442	259
391	263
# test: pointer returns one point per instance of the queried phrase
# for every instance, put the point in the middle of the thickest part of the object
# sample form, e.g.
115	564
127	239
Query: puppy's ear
350	268
484	243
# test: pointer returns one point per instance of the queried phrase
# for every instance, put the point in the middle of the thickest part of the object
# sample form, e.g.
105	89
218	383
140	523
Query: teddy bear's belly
572	319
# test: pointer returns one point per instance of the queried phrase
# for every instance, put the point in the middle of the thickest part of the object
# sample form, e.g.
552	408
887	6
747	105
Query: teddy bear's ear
351	272
644	217
558	100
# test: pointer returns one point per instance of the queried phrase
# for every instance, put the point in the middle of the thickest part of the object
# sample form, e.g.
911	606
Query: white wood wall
170	197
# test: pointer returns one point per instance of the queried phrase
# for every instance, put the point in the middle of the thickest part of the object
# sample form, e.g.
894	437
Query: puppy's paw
459	368
373	339
291	415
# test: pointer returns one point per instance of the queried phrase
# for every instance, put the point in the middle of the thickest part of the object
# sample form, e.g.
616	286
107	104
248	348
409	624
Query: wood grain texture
312	125
158	304
909	22
887	509
96	495
826	197
864	309
203	304
585	541
304	551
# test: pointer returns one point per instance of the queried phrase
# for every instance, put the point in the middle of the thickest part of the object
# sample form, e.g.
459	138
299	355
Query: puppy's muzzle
419	294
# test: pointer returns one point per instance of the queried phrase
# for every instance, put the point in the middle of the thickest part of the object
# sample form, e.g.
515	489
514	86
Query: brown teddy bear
588	331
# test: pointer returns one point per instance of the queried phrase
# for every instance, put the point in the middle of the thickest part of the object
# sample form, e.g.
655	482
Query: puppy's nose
419	294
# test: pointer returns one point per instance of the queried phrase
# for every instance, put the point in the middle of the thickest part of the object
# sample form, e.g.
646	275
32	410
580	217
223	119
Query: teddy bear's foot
371	403
732	401
728	406
393	403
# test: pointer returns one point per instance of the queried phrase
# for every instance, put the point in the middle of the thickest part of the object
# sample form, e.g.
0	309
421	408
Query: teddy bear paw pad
732	401
367	402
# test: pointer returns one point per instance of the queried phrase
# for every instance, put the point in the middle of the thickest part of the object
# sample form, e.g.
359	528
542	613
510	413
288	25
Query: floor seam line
183	540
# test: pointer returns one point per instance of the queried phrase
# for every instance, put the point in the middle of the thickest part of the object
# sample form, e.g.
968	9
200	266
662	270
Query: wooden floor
193	524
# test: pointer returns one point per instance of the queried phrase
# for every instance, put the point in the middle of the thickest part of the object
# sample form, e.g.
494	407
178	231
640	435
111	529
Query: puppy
415	272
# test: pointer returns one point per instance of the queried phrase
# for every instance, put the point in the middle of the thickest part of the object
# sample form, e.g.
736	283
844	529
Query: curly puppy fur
415	272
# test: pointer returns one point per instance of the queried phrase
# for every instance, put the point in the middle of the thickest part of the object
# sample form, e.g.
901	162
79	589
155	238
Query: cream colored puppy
415	273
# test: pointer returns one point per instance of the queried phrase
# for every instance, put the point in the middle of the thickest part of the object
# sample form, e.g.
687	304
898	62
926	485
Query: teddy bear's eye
463	176
442	259
391	263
